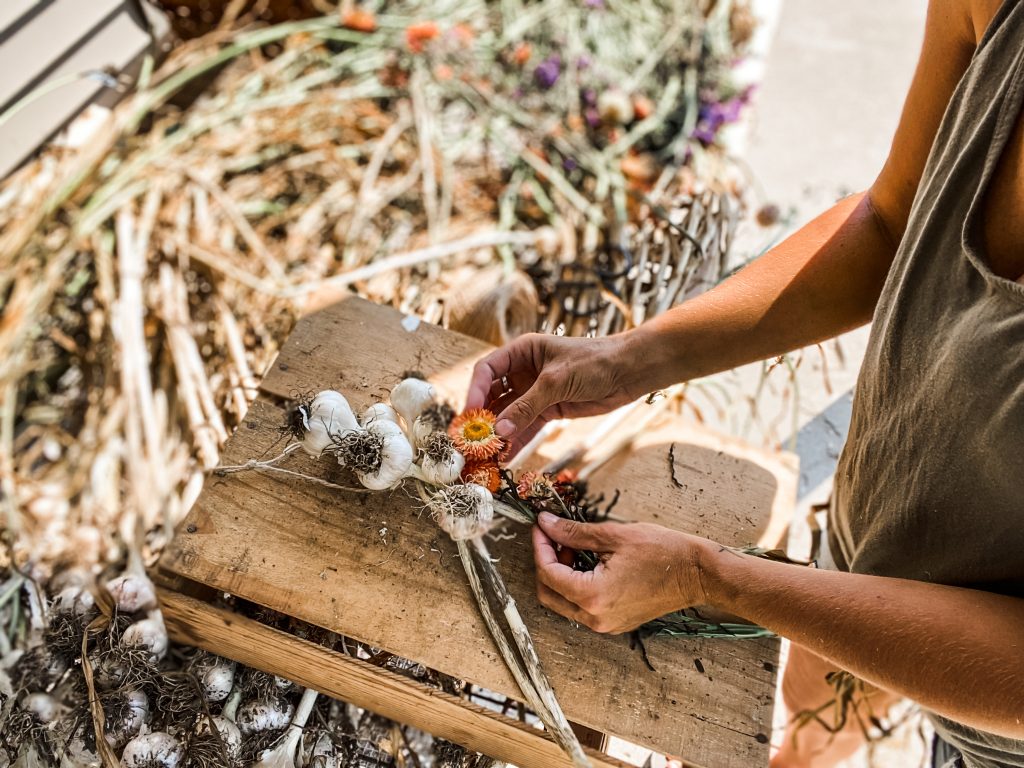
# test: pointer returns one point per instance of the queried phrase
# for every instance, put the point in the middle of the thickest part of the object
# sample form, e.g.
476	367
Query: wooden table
375	568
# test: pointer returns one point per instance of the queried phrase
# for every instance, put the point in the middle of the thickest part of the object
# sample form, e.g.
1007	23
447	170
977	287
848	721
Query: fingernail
505	428
547	518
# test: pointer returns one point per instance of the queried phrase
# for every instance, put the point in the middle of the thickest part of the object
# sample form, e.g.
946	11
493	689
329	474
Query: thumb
575	535
526	408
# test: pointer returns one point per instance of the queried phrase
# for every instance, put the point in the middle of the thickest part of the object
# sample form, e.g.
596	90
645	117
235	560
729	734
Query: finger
486	370
544	552
597	537
555	602
526	408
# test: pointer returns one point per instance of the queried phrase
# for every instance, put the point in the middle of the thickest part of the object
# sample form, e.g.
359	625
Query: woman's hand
646	571
539	377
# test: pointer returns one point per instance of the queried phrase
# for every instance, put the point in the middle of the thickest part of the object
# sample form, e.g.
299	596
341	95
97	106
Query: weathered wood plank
372	567
406	701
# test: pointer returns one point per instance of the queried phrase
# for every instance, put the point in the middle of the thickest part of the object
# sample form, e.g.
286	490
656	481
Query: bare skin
820	282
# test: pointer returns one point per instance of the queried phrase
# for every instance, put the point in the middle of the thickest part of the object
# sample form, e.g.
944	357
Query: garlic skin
228	731
216	676
263	715
150	634
410	397
379	412
74	600
463	511
328	415
43	707
615	107
323	754
153	750
396	457
442	471
136	716
132	592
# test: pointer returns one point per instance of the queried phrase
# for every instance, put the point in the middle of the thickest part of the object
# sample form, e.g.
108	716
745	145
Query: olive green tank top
930	485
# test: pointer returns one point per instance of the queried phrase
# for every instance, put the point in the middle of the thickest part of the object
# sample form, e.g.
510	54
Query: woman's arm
955	651
825	279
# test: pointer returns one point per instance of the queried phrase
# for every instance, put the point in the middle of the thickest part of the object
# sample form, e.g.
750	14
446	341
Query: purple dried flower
589	97
594	3
592	116
548	71
569	164
583	62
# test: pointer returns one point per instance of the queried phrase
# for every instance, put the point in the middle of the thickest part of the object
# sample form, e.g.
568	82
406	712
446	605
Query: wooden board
373	567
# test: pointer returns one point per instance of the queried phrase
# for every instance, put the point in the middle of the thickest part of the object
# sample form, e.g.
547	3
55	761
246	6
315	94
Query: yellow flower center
477	430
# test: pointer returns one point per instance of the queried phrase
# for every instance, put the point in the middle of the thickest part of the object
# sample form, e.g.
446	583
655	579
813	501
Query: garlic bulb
263	715
229	734
410	397
132	592
43	707
134	709
379	412
395	457
440	464
216	676
324	420
153	750
615	107
284	754
462	511
150	634
431	420
74	600
323	754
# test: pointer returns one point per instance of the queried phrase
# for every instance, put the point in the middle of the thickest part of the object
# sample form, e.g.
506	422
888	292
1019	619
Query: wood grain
396	697
373	567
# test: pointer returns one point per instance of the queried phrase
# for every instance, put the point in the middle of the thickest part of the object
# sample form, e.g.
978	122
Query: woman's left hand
646	571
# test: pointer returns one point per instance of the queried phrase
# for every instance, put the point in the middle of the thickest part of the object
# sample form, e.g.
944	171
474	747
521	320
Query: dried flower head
483	473
535	485
417	35
474	436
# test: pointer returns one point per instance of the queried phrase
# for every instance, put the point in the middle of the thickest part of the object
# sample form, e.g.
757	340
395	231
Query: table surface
374	567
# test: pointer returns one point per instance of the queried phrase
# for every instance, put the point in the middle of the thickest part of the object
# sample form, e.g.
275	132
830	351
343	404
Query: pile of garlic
406	438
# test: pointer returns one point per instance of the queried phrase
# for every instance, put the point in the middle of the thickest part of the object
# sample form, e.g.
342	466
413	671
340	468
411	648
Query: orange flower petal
483	473
474	437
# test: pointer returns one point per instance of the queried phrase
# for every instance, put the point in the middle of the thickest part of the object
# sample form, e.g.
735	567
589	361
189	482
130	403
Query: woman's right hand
539	377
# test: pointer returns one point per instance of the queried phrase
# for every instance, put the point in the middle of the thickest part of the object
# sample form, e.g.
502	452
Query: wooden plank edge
193	622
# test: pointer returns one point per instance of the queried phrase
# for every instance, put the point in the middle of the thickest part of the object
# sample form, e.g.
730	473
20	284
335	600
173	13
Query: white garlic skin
217	678
422	429
150	634
43	707
466	527
152	750
329	414
263	715
137	716
74	600
379	412
228	731
410	397
396	457
132	592
615	107
443	472
323	754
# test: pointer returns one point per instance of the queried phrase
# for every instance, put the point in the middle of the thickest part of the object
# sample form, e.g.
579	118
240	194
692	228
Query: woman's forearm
821	281
955	651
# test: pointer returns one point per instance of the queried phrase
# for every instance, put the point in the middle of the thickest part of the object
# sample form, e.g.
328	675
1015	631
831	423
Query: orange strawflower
534	485
643	107
359	20
443	72
417	35
463	33
522	53
474	437
483	473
